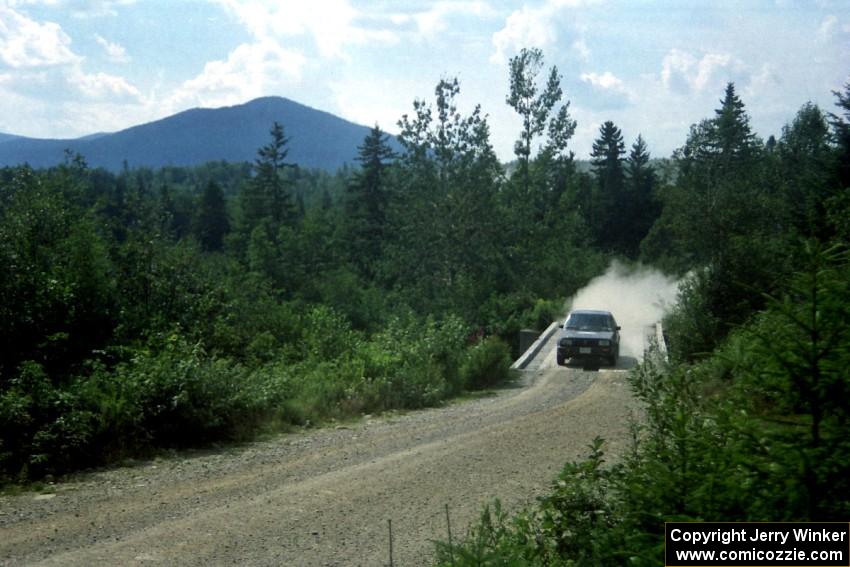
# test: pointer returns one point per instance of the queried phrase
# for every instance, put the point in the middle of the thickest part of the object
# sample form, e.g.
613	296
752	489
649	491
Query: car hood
598	335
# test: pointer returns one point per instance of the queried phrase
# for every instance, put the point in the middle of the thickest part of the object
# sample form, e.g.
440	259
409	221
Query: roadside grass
255	408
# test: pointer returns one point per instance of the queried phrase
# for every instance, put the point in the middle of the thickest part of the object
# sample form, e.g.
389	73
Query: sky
70	68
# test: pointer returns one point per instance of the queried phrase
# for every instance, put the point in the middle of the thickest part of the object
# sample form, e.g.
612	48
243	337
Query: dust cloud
637	296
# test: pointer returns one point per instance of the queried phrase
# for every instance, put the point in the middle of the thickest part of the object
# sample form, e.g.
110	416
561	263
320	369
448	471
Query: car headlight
604	343
566	342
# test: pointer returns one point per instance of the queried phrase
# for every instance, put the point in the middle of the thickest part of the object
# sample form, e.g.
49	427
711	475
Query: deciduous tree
534	103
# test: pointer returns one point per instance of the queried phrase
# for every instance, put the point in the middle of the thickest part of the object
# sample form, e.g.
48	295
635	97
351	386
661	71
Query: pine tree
840	204
721	185
370	184
607	164
841	135
366	202
212	224
272	195
804	160
641	208
733	140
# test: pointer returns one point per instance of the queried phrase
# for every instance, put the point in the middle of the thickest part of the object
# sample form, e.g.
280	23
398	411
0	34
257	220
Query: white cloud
64	84
79	8
683	73
606	81
115	52
831	27
26	43
94	8
433	21
265	65
580	47
330	23
103	86
13	3
827	28
570	3
532	27
607	91
766	80
66	102
251	70
359	101
526	27
710	65
45	77
675	68
70	118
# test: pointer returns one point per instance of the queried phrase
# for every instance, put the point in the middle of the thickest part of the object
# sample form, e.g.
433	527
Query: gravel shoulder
324	497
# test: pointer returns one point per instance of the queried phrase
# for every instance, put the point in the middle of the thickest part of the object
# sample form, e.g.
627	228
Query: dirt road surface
324	497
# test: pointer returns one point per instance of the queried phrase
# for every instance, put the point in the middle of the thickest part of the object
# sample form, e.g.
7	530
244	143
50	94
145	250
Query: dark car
590	336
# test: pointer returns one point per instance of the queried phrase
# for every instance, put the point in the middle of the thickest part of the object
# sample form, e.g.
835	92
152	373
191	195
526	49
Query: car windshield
589	322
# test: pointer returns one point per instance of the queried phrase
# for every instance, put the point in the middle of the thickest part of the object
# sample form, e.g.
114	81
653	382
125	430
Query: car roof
591	312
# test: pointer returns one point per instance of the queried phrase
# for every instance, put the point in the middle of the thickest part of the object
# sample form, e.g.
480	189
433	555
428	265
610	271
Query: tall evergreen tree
607	163
839	204
733	138
211	223
722	149
641	209
268	212
366	202
805	159
268	194
720	193
721	215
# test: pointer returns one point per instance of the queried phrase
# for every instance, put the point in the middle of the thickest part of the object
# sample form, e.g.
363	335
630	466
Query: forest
152	310
748	419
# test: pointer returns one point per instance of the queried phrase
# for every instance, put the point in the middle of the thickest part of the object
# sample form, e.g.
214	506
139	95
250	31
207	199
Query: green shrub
46	429
692	329
18	420
545	312
757	430
326	334
111	398
323	389
487	364
566	527
426	357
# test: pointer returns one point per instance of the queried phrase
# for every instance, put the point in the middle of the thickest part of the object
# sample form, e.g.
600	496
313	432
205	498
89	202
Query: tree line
748	420
149	309
156	309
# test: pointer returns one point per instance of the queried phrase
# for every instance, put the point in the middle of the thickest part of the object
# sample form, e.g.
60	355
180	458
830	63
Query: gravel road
323	497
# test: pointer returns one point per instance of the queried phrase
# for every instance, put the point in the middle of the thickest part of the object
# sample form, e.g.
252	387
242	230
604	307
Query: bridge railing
535	347
656	343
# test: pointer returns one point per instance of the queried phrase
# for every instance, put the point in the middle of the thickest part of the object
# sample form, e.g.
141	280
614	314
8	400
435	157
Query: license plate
584	350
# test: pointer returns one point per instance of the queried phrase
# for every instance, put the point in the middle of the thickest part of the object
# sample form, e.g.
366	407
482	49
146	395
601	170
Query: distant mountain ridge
317	139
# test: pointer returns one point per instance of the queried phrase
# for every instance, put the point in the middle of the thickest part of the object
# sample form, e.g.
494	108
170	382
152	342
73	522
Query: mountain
316	139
